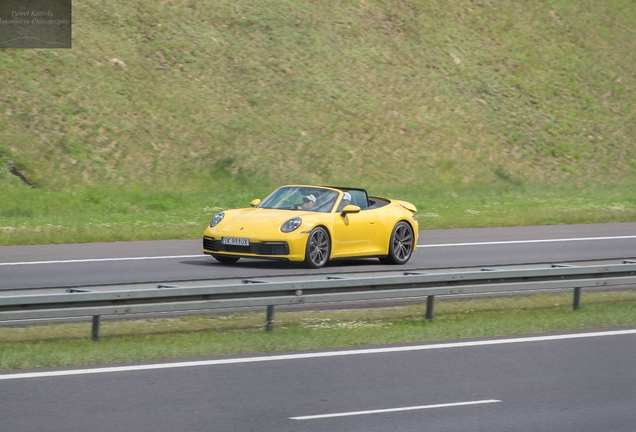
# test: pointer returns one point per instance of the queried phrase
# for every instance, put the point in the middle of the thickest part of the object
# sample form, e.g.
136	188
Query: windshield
301	198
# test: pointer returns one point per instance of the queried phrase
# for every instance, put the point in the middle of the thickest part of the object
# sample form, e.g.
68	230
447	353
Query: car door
354	234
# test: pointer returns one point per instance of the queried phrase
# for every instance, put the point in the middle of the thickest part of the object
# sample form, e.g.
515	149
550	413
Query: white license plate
235	241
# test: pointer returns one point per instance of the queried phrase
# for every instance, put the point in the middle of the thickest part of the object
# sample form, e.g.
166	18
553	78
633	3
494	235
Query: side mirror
255	203
349	209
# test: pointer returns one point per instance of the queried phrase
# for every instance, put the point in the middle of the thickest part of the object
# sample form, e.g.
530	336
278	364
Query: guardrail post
577	298
95	330
430	306
269	321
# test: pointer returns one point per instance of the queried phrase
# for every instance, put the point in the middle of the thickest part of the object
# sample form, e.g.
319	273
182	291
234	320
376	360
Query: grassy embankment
482	113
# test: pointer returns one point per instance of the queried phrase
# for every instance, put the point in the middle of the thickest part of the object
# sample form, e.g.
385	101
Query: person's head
308	201
346	198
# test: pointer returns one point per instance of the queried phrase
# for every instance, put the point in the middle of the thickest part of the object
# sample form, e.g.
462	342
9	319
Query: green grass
223	335
32	216
482	114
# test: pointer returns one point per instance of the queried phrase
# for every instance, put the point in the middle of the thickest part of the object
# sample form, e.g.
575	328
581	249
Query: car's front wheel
226	259
400	245
318	248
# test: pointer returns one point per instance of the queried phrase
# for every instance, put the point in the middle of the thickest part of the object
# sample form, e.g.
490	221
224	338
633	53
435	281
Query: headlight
291	225
216	219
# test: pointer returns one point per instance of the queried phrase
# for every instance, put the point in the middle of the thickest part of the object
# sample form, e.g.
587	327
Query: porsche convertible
315	224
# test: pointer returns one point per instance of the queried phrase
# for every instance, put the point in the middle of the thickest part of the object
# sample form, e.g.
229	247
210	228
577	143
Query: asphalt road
582	384
180	260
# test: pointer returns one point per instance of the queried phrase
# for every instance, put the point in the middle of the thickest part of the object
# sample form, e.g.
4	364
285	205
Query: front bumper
278	248
288	246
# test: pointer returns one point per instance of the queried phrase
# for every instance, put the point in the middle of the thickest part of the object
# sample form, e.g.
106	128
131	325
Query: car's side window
359	198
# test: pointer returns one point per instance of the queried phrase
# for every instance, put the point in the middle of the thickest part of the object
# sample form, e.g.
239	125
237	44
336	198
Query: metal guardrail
249	293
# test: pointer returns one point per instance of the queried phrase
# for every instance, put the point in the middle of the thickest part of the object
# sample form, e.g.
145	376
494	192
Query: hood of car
256	219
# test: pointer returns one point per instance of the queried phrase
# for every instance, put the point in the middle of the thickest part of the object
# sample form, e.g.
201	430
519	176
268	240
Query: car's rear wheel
318	248
400	245
226	259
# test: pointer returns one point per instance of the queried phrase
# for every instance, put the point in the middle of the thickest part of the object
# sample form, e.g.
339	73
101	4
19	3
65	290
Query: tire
226	259
400	245
318	248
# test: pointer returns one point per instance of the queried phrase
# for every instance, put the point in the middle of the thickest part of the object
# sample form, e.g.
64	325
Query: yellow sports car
314	224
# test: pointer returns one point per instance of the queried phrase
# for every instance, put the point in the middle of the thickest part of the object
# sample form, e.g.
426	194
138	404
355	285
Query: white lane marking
419	246
311	355
388	410
528	241
101	260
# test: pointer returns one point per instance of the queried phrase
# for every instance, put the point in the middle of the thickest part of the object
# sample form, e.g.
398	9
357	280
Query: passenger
346	200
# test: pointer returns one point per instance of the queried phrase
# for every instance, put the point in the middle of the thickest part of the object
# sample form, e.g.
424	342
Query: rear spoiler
407	205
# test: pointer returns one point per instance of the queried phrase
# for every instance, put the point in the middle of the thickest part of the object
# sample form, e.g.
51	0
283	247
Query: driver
309	201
